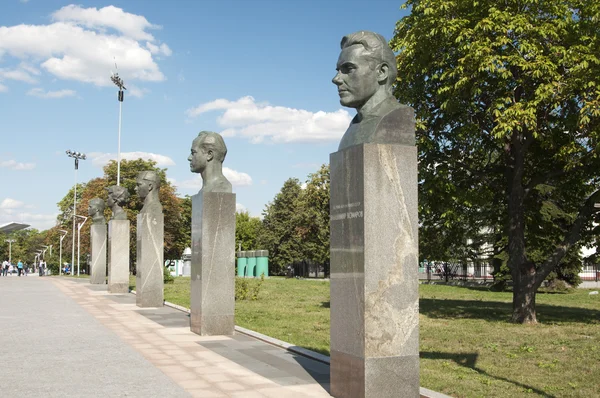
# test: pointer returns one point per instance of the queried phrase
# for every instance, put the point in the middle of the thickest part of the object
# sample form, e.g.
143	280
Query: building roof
12	227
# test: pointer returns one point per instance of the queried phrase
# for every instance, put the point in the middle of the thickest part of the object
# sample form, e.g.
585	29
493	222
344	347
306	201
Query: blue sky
259	72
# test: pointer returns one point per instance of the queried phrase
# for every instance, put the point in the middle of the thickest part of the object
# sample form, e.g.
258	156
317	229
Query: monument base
118	256
212	305
98	266
374	265
149	276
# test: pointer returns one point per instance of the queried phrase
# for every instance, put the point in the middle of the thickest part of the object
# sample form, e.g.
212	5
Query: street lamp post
77	156
10	242
64	233
79	225
119	83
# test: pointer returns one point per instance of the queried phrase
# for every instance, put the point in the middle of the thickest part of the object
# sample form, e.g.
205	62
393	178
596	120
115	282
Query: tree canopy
507	101
177	211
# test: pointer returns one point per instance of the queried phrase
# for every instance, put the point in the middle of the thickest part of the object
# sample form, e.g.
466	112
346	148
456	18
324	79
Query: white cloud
14	165
192	183
240	208
83	44
130	25
259	121
3	88
159	49
9	203
17	74
100	159
236	178
40	93
36	220
137	92
24	1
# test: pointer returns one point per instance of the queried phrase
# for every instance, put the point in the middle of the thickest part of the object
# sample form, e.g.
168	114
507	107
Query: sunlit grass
468	347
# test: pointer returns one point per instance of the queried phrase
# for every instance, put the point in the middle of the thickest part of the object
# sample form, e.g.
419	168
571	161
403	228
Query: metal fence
590	273
307	269
446	271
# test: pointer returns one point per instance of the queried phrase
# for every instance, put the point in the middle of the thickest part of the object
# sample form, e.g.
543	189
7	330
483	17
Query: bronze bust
366	71
96	208
147	188
207	156
117	197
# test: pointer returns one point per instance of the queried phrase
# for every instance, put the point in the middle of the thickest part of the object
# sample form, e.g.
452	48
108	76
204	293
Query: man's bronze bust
207	156
96	208
147	188
366	71
117	197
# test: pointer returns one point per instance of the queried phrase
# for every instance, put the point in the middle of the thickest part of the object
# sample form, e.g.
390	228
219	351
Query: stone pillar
213	264
149	275
98	268
118	256
374	266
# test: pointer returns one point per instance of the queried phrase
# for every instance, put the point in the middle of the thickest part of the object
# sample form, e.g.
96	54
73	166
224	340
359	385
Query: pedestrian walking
42	268
20	267
4	268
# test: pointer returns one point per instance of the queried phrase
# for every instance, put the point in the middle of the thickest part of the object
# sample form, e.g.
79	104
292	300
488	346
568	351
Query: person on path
4	268
20	267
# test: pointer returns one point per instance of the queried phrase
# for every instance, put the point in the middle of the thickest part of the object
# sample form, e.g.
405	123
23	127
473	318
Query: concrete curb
424	392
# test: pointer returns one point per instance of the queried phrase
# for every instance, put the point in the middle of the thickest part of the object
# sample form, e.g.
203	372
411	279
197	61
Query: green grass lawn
468	347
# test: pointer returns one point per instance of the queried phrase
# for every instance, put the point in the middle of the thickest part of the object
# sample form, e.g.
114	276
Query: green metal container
262	263
242	263
251	267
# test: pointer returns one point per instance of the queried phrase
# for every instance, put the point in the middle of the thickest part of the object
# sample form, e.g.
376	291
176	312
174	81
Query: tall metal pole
10	242
119	144
60	251
119	83
78	242
79	226
60	256
77	156
74	217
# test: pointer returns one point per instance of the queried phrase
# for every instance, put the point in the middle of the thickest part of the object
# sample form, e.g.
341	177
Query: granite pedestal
118	256
149	276
213	264
98	268
374	265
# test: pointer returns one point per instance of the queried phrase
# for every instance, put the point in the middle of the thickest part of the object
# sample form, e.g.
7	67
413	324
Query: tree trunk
522	271
524	289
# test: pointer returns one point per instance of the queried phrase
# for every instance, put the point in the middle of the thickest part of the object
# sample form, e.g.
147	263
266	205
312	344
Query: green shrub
248	289
167	278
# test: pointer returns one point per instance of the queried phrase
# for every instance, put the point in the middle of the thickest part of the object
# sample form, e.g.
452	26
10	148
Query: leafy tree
27	243
507	102
246	230
313	216
177	235
279	232
184	231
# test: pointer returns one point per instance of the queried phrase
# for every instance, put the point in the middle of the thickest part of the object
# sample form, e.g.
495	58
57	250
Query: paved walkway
68	338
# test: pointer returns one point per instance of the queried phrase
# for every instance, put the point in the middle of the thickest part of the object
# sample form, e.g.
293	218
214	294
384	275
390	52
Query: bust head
117	197
366	68
207	147
147	182
207	155
96	210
